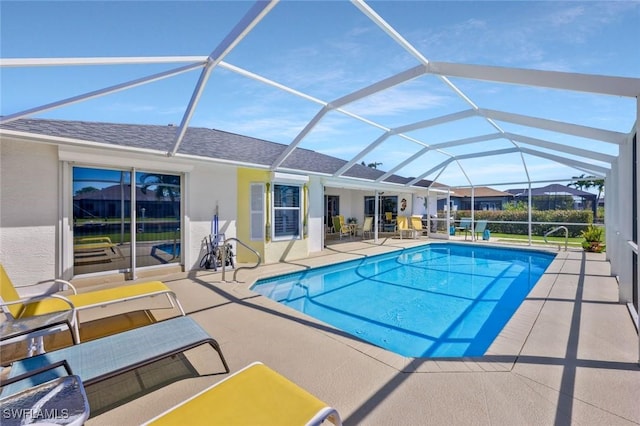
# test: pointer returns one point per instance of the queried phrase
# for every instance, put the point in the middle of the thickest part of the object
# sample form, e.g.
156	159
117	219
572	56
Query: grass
539	239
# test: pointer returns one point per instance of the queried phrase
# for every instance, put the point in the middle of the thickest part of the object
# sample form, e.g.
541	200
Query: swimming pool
436	300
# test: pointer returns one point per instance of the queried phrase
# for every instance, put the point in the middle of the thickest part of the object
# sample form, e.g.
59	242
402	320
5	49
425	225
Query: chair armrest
28	300
62	284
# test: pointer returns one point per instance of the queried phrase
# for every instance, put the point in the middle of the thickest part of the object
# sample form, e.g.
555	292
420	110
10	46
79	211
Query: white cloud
399	100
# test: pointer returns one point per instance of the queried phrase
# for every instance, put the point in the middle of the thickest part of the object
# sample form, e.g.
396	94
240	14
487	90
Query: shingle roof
202	142
551	189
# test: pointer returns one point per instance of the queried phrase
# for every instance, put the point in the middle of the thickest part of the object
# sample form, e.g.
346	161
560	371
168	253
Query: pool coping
501	355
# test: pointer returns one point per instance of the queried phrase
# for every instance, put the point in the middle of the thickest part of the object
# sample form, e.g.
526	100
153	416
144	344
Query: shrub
503	221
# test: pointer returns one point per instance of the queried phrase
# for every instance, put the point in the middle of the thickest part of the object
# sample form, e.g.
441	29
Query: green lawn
538	239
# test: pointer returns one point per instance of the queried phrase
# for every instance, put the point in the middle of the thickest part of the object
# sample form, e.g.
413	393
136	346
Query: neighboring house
484	198
556	197
66	181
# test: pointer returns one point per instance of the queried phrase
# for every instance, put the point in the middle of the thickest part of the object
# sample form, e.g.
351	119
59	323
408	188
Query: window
286	211
386	204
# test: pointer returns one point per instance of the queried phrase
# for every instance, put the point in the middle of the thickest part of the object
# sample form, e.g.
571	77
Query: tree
580	183
588	182
164	186
86	189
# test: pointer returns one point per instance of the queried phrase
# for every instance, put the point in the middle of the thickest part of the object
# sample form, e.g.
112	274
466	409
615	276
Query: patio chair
340	227
92	249
367	226
18	308
110	356
403	227
416	224
389	224
255	395
465	225
481	225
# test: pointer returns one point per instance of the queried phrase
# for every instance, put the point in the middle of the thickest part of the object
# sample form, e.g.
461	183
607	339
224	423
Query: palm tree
588	182
165	186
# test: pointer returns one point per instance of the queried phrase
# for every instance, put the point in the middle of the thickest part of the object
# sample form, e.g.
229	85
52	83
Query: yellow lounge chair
403	227
16	307
416	224
92	249
255	395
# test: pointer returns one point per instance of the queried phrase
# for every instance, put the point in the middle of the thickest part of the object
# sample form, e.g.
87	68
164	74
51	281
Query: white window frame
300	210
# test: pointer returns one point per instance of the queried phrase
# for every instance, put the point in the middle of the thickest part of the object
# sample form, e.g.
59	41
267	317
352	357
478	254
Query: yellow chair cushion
254	396
8	293
96	298
402	223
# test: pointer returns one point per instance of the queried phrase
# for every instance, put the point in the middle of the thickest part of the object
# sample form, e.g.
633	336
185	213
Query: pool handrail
224	256
566	236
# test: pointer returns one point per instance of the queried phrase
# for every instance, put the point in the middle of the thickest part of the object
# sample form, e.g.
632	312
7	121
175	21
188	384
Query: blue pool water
437	300
172	249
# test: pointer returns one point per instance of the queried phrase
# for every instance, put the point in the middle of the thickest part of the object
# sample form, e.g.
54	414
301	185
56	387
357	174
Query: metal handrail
224	256
566	236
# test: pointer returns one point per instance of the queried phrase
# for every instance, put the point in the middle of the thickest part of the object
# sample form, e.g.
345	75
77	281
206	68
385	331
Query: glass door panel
101	220
158	232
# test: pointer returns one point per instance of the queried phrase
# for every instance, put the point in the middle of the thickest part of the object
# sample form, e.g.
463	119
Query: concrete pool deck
568	356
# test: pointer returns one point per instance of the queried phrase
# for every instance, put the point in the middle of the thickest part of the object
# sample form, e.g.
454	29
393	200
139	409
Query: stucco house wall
35	221
29	205
36	238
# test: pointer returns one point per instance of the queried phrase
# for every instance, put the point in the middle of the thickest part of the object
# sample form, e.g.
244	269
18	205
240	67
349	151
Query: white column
376	217
638	198
529	213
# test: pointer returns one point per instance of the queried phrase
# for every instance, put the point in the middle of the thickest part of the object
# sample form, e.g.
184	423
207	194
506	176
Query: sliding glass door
115	223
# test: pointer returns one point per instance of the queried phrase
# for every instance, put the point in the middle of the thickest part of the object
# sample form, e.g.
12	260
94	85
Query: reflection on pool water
436	300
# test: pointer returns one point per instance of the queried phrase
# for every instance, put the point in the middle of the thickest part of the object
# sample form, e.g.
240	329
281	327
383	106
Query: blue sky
326	50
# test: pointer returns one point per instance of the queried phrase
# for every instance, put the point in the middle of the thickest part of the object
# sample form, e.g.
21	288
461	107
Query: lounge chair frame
106	357
16	308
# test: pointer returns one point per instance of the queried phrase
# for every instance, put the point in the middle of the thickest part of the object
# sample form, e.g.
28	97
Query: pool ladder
566	236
